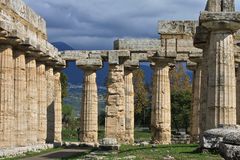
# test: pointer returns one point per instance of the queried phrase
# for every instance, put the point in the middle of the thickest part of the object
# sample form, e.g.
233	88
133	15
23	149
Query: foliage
70	123
141	98
179	80
64	84
181	105
181	97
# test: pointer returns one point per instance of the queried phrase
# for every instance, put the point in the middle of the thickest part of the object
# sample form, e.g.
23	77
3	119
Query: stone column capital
89	64
220	20
159	61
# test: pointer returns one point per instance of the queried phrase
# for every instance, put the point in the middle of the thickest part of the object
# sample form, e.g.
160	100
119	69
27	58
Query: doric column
129	104
20	99
32	101
196	98
161	104
42	102
7	120
221	81
58	108
221	86
200	41
115	109
50	104
89	108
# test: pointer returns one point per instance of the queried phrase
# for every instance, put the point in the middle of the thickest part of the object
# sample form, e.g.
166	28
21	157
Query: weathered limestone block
42	103
229	151
20	99
138	44
129	107
161	104
57	109
213	137
177	29
32	101
7	119
229	148
196	98
115	109
50	104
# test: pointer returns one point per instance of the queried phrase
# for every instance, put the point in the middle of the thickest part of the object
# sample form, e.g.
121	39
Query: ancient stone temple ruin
30	99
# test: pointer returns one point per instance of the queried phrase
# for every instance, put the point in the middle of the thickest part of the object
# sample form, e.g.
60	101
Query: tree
64	84
181	94
67	115
141	99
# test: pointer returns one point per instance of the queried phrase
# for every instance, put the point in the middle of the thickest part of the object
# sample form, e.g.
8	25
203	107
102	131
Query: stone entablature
135	45
24	29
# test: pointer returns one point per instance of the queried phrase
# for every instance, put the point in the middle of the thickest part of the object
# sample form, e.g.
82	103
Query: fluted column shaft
221	80
238	95
32	101
42	103
7	123
50	104
204	92
161	105
89	109
20	99
58	109
129	107
115	109
195	109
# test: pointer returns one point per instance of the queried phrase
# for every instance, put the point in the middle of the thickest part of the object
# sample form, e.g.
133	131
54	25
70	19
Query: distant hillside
61	46
75	80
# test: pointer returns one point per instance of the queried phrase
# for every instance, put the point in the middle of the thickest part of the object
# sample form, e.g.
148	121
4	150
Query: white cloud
94	24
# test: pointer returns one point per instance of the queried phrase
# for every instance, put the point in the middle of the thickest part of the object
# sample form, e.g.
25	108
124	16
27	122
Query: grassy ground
179	152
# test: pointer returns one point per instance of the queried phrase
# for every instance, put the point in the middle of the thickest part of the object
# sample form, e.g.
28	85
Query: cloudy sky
94	24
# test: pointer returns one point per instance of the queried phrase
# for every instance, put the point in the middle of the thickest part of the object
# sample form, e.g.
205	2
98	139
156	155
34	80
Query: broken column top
220	6
220	15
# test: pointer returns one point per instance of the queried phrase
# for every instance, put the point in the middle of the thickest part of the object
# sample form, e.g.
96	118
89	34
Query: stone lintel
89	64
177	28
139	45
162	60
220	20
73	55
118	56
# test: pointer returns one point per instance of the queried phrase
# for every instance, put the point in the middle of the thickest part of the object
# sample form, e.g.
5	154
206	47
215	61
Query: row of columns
119	121
30	100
